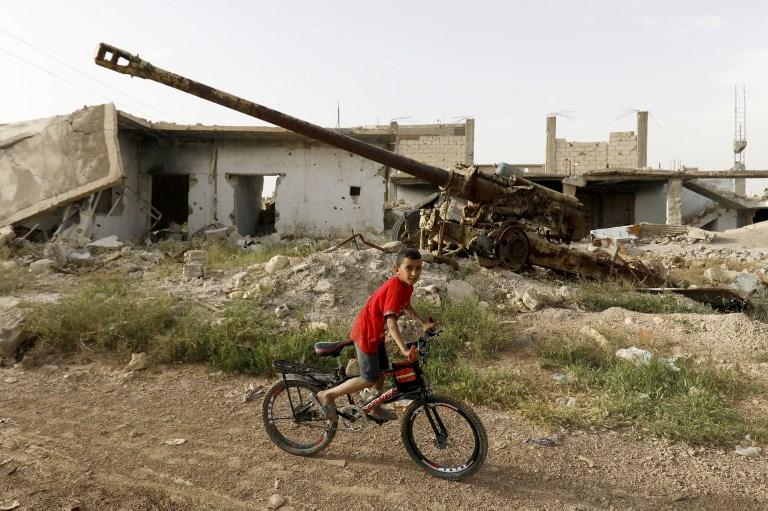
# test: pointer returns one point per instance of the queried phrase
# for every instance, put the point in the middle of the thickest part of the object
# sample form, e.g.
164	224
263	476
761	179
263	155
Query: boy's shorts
371	364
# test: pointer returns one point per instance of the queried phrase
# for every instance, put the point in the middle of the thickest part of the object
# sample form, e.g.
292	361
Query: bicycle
442	435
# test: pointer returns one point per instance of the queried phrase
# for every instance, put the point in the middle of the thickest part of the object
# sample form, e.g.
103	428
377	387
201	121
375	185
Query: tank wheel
406	229
512	248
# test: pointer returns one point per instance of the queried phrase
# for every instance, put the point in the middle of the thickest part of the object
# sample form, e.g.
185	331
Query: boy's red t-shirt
393	297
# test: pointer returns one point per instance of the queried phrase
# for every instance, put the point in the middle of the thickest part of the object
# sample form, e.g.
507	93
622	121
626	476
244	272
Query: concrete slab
48	162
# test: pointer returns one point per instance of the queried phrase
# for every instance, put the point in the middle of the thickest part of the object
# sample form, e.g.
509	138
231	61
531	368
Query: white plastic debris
749	452
175	441
635	355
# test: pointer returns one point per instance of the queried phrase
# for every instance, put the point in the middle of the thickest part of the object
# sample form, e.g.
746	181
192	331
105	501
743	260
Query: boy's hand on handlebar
412	354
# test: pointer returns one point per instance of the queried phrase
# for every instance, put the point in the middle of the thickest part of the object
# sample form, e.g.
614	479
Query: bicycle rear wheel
444	437
293	422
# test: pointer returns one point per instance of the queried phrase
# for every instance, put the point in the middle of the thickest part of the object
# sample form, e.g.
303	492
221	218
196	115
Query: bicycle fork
441	433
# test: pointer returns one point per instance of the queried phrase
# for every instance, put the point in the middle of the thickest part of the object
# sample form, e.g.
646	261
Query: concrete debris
12	332
139	361
748	452
107	242
195	262
175	441
635	355
746	283
217	234
277	263
41	266
596	336
275	501
281	311
6	235
459	290
322	286
353	367
80	257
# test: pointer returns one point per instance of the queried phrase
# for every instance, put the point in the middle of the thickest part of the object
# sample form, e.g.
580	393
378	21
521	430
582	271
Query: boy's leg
369	376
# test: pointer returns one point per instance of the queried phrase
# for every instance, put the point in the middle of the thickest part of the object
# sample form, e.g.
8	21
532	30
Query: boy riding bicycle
382	309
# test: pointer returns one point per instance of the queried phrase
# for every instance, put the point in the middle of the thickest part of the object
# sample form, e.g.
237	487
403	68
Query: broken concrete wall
130	199
322	190
651	203
575	158
48	162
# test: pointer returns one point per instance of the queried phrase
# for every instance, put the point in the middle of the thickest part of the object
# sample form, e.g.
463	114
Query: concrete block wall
578	157
443	151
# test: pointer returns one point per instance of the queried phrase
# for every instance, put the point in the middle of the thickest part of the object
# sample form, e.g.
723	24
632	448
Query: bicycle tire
415	422
277	411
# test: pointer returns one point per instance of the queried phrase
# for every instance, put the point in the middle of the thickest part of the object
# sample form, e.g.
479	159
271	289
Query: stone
6	235
275	501
353	367
12	332
41	266
327	299
393	247
460	290
337	463
749	452
266	285
194	270
533	299
217	234
138	362
175	441
276	264
236	295
238	279
318	325
322	286
107	242
281	311
593	334
80	257
746	283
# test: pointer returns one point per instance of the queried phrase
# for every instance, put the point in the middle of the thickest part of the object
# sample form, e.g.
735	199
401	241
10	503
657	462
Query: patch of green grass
596	297
117	317
696	404
760	357
12	280
498	388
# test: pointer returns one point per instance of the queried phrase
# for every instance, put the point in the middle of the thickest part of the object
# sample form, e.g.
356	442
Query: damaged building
135	176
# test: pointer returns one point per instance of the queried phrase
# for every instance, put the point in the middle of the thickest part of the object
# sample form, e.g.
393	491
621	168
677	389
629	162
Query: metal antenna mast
740	126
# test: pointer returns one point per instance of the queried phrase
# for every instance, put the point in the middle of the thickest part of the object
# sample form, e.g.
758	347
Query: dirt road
87	437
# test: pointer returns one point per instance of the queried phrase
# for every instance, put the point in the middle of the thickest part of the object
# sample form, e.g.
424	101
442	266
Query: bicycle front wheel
444	437
293	422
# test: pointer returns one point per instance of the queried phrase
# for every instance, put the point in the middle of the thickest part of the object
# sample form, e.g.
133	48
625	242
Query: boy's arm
427	324
394	330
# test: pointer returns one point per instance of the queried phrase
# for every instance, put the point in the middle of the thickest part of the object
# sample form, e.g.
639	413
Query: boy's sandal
329	410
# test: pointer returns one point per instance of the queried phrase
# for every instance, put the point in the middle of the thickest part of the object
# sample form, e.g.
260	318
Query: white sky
505	63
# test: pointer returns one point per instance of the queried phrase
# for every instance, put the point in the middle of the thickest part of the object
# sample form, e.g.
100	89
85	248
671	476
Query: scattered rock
281	311
275	501
252	393
41	266
238	279
588	461
175	441
318	325
107	242
749	452
635	355
322	286
337	463
217	234
353	367
8	506
139	361
393	247
746	283
459	290
533	299
277	263
596	336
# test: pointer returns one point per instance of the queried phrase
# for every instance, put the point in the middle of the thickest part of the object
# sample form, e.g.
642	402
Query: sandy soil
89	437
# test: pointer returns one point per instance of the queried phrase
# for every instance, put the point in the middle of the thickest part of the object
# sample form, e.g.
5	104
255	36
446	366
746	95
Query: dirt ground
90	437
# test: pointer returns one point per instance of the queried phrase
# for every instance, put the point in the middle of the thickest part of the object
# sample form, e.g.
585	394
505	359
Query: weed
502	388
596	297
695	404
12	279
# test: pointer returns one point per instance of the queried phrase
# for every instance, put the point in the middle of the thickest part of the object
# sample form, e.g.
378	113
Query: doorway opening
255	203
170	196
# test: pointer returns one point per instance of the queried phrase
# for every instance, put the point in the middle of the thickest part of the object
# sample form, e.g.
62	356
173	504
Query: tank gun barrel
477	188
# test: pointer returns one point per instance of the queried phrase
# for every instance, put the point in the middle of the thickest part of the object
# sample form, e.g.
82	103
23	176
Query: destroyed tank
508	221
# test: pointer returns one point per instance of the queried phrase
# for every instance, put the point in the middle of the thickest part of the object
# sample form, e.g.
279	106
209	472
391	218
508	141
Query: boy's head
408	266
